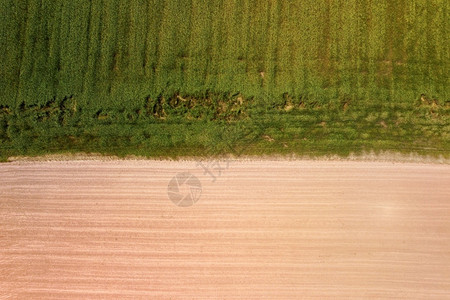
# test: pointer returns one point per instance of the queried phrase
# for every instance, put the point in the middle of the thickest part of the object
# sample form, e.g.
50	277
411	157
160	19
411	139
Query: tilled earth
224	230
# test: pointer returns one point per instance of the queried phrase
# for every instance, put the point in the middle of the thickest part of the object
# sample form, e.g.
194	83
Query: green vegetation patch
171	78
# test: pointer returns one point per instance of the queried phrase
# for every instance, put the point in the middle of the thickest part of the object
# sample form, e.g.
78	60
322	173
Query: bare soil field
262	229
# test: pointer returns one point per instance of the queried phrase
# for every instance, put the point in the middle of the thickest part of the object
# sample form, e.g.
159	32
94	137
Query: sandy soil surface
256	230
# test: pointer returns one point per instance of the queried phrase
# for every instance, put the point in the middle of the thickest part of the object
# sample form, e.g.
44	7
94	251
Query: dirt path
258	230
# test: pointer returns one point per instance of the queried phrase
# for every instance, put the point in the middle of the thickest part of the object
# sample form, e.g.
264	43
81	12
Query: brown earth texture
218	229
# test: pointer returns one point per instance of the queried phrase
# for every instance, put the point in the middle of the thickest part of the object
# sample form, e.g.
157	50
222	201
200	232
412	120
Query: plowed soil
258	230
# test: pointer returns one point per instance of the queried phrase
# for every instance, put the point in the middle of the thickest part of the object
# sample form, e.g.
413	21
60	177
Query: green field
194	77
